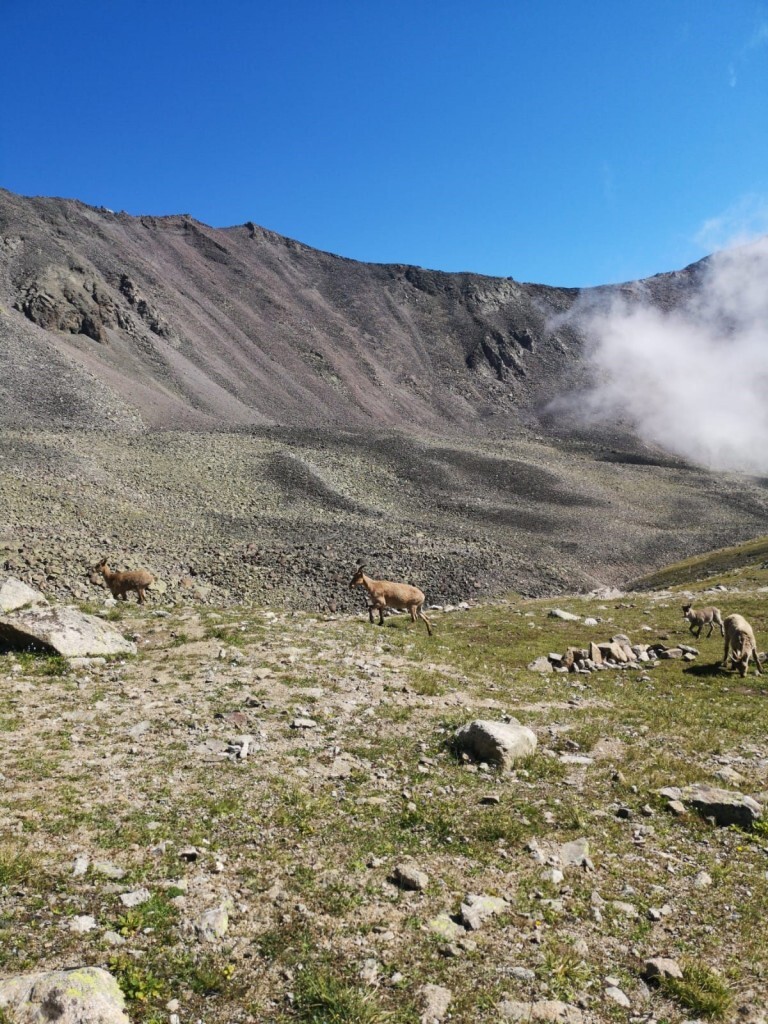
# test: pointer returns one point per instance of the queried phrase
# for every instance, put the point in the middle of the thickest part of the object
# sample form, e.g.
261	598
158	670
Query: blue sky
551	141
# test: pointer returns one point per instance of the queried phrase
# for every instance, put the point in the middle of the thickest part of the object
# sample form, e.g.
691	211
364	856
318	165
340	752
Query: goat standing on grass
120	583
703	617
391	595
740	641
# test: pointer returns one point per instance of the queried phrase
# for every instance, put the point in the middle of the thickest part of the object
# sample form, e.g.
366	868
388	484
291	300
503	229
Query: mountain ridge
196	327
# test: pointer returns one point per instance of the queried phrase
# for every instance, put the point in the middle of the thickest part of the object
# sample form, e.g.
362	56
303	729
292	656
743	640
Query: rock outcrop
86	995
29	622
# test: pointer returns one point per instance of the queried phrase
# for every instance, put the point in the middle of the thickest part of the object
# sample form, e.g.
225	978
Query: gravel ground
273	515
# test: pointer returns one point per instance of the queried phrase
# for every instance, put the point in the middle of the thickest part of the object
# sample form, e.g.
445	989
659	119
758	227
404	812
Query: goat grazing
120	583
384	594
701	617
740	642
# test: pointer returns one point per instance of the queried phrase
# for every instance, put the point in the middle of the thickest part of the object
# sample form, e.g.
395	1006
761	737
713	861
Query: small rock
541	665
523	973
553	875
108	869
558	613
446	928
662	967
135	898
409	876
476	910
728	774
548	1010
82	924
214	923
435	1000
627	909
370	972
575	853
80	866
615	995
500	743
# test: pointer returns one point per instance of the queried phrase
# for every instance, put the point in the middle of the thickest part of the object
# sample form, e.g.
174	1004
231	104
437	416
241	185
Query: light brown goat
391	595
703	617
740	642
120	583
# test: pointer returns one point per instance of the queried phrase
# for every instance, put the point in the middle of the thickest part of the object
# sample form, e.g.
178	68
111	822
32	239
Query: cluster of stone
616	653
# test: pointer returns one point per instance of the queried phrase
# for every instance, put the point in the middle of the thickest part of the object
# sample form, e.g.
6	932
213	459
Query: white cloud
693	380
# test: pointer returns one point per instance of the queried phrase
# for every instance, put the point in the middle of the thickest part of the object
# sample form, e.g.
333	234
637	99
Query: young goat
740	641
391	595
703	617
121	582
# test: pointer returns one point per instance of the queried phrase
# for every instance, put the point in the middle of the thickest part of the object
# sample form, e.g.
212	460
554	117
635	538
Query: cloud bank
692	379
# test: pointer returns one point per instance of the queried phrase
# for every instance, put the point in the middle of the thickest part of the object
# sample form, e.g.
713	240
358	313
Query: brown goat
703	617
740	642
391	595
120	583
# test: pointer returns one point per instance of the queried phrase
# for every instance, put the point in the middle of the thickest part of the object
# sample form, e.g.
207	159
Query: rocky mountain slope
109	319
248	416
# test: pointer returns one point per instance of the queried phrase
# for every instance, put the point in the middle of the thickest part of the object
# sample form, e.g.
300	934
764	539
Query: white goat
391	595
740	642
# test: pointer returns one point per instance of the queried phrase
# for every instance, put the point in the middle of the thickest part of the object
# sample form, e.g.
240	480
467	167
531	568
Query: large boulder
15	594
724	805
29	622
500	743
86	995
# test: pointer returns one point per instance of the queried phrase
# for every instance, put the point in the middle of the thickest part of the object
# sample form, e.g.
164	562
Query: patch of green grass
700	990
42	663
284	942
137	980
116	614
752	553
206	975
321	997
338	899
301	813
395	712
231	635
157	913
427	683
17	865
565	971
